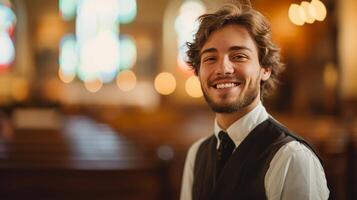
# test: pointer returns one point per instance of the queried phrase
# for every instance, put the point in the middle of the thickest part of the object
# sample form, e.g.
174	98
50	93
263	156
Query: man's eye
239	58
209	59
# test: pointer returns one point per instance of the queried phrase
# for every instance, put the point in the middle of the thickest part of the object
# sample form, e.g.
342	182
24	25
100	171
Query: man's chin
229	106
224	108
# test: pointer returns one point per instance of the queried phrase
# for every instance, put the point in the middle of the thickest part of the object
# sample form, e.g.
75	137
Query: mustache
226	78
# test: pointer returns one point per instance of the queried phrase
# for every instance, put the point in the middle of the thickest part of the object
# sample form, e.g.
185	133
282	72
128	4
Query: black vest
244	173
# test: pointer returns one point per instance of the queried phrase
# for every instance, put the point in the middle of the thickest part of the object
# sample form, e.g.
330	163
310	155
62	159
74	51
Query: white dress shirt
295	173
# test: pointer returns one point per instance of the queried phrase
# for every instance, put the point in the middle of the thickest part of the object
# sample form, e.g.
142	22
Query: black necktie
225	150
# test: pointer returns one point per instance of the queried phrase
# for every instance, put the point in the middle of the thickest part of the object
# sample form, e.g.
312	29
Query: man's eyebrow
237	48
209	50
233	48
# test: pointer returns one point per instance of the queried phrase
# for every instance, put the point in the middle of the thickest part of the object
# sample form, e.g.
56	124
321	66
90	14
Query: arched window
7	26
186	26
180	25
97	51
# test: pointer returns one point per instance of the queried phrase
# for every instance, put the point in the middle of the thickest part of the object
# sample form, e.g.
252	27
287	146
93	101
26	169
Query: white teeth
225	85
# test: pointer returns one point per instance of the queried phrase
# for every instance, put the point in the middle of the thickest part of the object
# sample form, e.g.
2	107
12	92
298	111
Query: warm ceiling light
308	14
296	14
320	10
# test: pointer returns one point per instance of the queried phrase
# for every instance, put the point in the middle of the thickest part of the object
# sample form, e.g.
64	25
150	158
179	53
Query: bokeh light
308	12
94	16
127	11
126	80
66	78
68	8
68	56
165	83
128	53
98	42
165	152
193	87
320	10
296	14
93	86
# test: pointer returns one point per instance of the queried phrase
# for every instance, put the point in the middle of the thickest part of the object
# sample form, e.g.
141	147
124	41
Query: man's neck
225	120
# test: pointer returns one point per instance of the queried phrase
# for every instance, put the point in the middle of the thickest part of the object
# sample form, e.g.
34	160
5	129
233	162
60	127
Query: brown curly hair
258	28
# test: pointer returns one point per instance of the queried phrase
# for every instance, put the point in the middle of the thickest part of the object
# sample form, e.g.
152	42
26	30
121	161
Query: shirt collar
240	129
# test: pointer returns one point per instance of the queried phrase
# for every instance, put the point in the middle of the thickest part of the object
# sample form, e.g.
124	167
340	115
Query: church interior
97	102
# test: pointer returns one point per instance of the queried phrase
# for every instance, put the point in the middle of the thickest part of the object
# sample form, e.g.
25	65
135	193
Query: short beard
235	106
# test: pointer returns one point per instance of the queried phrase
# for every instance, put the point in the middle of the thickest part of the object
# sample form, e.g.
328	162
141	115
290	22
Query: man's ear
266	72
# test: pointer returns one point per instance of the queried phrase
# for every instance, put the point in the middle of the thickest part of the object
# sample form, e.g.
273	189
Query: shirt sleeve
187	179
295	173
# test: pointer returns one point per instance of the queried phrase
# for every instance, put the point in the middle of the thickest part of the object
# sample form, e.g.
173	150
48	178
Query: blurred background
96	101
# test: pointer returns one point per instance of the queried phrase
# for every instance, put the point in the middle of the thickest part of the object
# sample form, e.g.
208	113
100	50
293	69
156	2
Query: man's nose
226	66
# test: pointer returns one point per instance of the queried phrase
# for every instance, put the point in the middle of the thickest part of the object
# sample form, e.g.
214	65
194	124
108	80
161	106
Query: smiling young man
250	155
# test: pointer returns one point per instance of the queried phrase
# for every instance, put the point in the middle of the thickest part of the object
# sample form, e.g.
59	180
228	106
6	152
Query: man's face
230	73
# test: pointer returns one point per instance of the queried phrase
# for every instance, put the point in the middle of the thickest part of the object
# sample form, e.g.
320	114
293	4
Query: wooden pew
85	160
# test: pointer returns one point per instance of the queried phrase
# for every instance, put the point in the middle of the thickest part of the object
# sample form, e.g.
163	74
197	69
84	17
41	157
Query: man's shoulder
275	125
298	159
296	155
295	168
298	146
295	149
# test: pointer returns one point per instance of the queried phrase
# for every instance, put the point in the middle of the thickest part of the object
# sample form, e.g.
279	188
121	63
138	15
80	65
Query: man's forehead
230	37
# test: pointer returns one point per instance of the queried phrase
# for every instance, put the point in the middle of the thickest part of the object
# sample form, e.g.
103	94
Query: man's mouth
226	85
